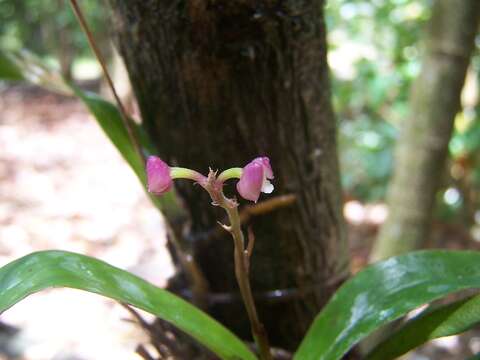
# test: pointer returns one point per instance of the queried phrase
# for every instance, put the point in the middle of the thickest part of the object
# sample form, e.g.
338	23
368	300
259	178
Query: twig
128	123
199	283
149	330
266	206
142	352
261	208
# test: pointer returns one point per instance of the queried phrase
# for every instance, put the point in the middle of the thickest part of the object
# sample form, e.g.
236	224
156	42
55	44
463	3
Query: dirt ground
64	186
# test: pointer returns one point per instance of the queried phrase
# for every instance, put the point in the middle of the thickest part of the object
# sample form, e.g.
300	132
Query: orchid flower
160	176
254	177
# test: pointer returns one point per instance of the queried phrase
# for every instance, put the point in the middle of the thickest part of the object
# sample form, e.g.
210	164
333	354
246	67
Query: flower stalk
242	263
253	180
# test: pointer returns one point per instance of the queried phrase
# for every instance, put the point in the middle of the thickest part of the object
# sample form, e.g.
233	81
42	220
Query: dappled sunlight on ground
357	213
64	186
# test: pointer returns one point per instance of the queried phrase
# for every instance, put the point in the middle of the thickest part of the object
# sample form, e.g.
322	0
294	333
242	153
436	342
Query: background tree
423	145
219	83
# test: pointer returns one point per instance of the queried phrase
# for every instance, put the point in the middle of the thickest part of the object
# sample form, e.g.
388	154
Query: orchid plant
254	178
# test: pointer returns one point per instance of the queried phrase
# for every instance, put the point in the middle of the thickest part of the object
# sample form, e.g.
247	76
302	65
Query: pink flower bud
254	179
158	176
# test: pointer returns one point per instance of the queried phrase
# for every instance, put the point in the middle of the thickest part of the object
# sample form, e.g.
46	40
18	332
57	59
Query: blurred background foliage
49	29
375	54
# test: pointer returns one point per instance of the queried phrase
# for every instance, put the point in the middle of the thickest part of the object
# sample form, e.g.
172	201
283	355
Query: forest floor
64	186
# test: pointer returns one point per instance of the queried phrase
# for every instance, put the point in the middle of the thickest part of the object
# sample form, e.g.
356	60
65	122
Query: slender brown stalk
91	41
242	262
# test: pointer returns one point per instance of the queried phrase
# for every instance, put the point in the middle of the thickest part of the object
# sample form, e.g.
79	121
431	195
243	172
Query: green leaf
29	67
8	69
384	292
447	320
24	65
110	120
45	269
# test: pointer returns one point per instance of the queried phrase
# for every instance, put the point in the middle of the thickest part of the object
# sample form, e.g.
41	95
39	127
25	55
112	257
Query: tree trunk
220	82
423	145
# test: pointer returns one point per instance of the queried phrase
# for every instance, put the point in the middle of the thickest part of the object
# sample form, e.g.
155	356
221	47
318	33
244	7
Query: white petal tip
267	187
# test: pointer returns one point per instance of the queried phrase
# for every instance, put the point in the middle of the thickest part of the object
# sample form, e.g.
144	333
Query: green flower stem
233	173
184	173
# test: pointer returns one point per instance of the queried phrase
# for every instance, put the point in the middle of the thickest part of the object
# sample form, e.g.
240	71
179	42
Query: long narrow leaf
8	69
46	269
447	320
26	66
384	292
110	120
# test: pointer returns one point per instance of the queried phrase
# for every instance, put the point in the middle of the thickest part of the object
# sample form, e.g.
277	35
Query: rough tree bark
422	148
220	82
